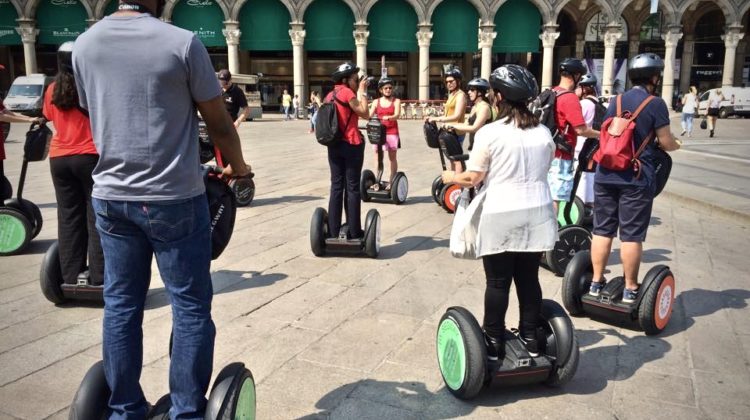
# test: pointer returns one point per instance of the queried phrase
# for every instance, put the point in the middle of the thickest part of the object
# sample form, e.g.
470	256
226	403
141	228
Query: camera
370	80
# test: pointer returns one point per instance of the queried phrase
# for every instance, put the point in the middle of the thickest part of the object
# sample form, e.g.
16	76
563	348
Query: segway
463	362
243	188
20	219
651	310
321	242
232	396
445	195
222	209
394	191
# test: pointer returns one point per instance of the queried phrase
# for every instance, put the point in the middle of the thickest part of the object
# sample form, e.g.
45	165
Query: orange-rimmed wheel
449	197
658	301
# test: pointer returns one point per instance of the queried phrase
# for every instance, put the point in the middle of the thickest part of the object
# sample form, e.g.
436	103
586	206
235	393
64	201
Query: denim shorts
627	207
560	179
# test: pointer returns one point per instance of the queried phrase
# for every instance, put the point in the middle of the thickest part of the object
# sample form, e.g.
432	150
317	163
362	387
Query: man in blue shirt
623	198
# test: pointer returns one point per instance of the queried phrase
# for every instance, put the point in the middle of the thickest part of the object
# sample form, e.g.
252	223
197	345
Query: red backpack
617	139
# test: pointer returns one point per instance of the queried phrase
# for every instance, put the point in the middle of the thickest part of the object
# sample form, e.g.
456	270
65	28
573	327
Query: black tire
723	113
36	217
90	401
576	213
655	308
319	232
17	229
399	188
160	409
459	330
449	197
576	282
573	239
366	181
561	343
437	186
233	394
372	234
6	189
243	190
50	275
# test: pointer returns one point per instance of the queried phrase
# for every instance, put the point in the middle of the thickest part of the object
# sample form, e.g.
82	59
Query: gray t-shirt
140	78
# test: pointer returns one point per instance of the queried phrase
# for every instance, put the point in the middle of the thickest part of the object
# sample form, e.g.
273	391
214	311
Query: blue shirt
655	115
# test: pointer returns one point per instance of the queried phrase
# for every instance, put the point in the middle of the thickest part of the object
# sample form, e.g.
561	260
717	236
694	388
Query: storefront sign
8	24
597	26
204	18
60	21
706	73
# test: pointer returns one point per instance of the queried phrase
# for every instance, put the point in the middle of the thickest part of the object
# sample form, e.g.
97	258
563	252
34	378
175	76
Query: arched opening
517	23
593	52
58	22
206	20
11	47
743	54
329	41
455	26
708	51
266	48
565	46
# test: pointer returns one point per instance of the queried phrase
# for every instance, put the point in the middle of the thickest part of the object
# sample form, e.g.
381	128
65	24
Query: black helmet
65	57
588	80
515	83
643	66
344	70
481	85
224	75
454	72
385	81
572	66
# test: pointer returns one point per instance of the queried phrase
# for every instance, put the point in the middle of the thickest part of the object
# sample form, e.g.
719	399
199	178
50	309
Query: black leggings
502	269
345	161
76	230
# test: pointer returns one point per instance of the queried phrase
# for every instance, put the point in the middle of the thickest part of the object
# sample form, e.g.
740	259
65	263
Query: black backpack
599	112
327	130
222	207
543	108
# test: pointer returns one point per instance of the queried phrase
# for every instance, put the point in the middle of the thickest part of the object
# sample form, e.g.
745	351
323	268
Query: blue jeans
687	122
177	232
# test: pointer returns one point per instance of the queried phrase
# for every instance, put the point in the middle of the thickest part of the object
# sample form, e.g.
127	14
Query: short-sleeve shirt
141	99
517	214
234	99
568	115
348	119
654	116
286	100
72	129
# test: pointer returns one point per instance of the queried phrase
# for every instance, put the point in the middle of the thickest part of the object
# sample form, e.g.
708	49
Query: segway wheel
90	401
576	282
319	232
15	231
577	212
399	188
233	395
243	190
366	181
572	240
6	189
461	352
160	409
50	275
372	234
437	186
449	197
561	343
656	307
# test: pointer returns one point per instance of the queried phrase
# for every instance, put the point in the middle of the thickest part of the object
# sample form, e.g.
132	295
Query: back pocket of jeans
171	221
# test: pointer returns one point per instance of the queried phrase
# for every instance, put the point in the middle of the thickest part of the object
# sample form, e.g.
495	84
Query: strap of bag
618	112
344	104
638	110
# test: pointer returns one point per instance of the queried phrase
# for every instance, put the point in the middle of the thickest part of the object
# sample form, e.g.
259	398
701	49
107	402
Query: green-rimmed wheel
15	231
233	395
462	355
577	212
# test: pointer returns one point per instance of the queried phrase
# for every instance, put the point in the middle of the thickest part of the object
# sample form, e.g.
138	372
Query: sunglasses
450	81
387	87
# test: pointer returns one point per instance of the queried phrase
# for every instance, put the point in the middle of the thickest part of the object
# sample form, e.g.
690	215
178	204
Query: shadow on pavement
419	200
654	255
410	243
292	199
695	303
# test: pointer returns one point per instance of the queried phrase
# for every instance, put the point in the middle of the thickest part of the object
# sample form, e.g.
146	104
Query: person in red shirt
73	157
388	109
570	122
6	117
345	157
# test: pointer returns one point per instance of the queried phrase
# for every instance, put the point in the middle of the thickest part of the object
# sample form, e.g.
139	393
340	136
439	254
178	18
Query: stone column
548	37
731	38
232	33
360	41
28	31
634	43
611	36
424	35
297	33
671	38
688	46
580	45
91	22
486	38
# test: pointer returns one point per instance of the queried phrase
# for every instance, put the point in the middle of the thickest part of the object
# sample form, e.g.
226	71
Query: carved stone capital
732	38
28	32
611	36
486	37
360	37
232	36
424	37
671	39
298	37
549	38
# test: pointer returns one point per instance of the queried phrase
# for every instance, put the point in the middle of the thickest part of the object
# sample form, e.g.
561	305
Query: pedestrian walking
286	104
714	103
689	107
313	109
295	104
234	98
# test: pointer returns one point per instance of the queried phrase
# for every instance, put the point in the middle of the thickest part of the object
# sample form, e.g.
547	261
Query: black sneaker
495	348
532	345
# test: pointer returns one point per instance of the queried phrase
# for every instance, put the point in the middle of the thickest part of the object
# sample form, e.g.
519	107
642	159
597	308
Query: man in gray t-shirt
141	80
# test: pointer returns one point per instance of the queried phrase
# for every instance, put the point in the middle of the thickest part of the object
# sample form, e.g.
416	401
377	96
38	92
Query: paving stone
367	410
664	388
722	395
332	313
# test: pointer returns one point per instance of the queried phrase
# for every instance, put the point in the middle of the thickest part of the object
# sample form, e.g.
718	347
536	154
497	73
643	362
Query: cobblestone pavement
353	338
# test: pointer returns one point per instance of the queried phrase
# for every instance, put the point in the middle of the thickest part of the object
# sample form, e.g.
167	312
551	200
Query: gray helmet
515	83
344	70
643	66
65	57
454	72
481	85
588	80
385	81
572	66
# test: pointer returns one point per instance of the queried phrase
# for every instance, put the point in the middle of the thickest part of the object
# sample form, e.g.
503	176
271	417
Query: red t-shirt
72	129
568	115
348	119
4	130
391	126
